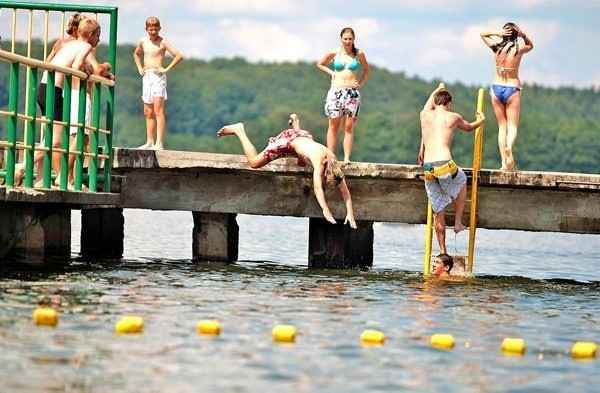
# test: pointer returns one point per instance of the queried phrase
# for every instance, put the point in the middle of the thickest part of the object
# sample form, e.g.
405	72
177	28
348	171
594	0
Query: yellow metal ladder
477	155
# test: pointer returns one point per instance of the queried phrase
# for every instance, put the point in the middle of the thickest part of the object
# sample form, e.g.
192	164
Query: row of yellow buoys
287	334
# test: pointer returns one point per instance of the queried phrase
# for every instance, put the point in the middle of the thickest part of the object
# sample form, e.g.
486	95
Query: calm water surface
542	287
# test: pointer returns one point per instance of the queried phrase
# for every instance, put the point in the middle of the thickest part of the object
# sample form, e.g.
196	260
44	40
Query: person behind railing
93	67
154	81
506	89
444	180
72	27
294	142
72	54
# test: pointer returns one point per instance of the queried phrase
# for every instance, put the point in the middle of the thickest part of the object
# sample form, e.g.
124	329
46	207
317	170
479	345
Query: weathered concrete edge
125	159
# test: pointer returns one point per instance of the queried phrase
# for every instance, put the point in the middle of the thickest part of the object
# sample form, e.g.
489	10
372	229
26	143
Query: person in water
442	265
506	89
343	98
295	142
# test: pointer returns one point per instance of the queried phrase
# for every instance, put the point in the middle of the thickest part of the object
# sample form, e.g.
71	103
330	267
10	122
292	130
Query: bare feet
157	147
146	146
231	129
510	161
458	227
294	121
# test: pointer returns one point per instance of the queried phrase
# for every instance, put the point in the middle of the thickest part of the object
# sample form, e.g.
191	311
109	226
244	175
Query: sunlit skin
154	48
343	79
507	73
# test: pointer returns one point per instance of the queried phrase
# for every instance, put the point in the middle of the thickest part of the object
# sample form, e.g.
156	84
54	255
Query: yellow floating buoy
372	337
45	316
284	333
583	350
129	324
445	341
513	346
209	327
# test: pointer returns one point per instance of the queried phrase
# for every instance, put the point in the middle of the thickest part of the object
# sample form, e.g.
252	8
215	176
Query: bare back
72	54
437	129
310	151
507	65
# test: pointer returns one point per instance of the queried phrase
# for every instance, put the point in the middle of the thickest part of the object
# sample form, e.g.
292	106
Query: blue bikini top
339	66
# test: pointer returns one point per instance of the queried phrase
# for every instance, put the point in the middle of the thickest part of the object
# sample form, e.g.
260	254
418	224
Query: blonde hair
73	24
87	27
333	172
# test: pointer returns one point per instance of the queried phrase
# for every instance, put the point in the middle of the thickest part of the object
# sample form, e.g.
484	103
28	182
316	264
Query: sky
436	40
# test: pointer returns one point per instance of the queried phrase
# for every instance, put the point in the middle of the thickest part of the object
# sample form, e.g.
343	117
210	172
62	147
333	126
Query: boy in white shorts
154	81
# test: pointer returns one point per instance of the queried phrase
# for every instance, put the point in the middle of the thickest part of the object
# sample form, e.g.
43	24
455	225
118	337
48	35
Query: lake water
541	287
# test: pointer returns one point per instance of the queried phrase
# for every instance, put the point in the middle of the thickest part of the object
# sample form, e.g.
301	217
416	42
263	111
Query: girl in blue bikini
343	98
506	89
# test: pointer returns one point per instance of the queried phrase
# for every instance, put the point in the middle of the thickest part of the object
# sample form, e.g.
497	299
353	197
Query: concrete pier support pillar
339	246
35	232
215	237
102	232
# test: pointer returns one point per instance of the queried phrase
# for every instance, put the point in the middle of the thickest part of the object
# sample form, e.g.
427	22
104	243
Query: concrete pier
217	187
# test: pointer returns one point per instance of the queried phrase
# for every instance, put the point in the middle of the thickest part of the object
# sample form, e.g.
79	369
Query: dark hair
508	41
351	31
442	97
446	260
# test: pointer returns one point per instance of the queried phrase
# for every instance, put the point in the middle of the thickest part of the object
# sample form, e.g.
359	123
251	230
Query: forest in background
559	127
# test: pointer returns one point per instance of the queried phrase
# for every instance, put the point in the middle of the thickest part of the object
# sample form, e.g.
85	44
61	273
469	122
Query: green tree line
559	127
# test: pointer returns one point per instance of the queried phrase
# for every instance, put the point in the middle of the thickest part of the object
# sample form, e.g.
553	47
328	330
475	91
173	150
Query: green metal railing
101	138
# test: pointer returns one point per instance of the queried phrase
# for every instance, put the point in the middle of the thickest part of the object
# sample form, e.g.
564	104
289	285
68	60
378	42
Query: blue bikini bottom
503	92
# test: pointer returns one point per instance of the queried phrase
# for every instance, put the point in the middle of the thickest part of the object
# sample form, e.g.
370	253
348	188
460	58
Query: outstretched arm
466	126
348	202
320	194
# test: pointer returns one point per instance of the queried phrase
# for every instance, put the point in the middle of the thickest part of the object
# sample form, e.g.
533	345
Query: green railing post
49	129
12	125
93	163
64	139
110	101
78	169
109	138
29	152
50	163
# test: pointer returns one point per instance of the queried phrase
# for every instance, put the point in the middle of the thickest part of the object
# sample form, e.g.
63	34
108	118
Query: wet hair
333	172
442	97
73	23
509	41
351	31
87	27
446	260
152	21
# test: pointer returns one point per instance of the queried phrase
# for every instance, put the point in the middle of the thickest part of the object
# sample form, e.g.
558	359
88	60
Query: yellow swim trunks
443	182
436	170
